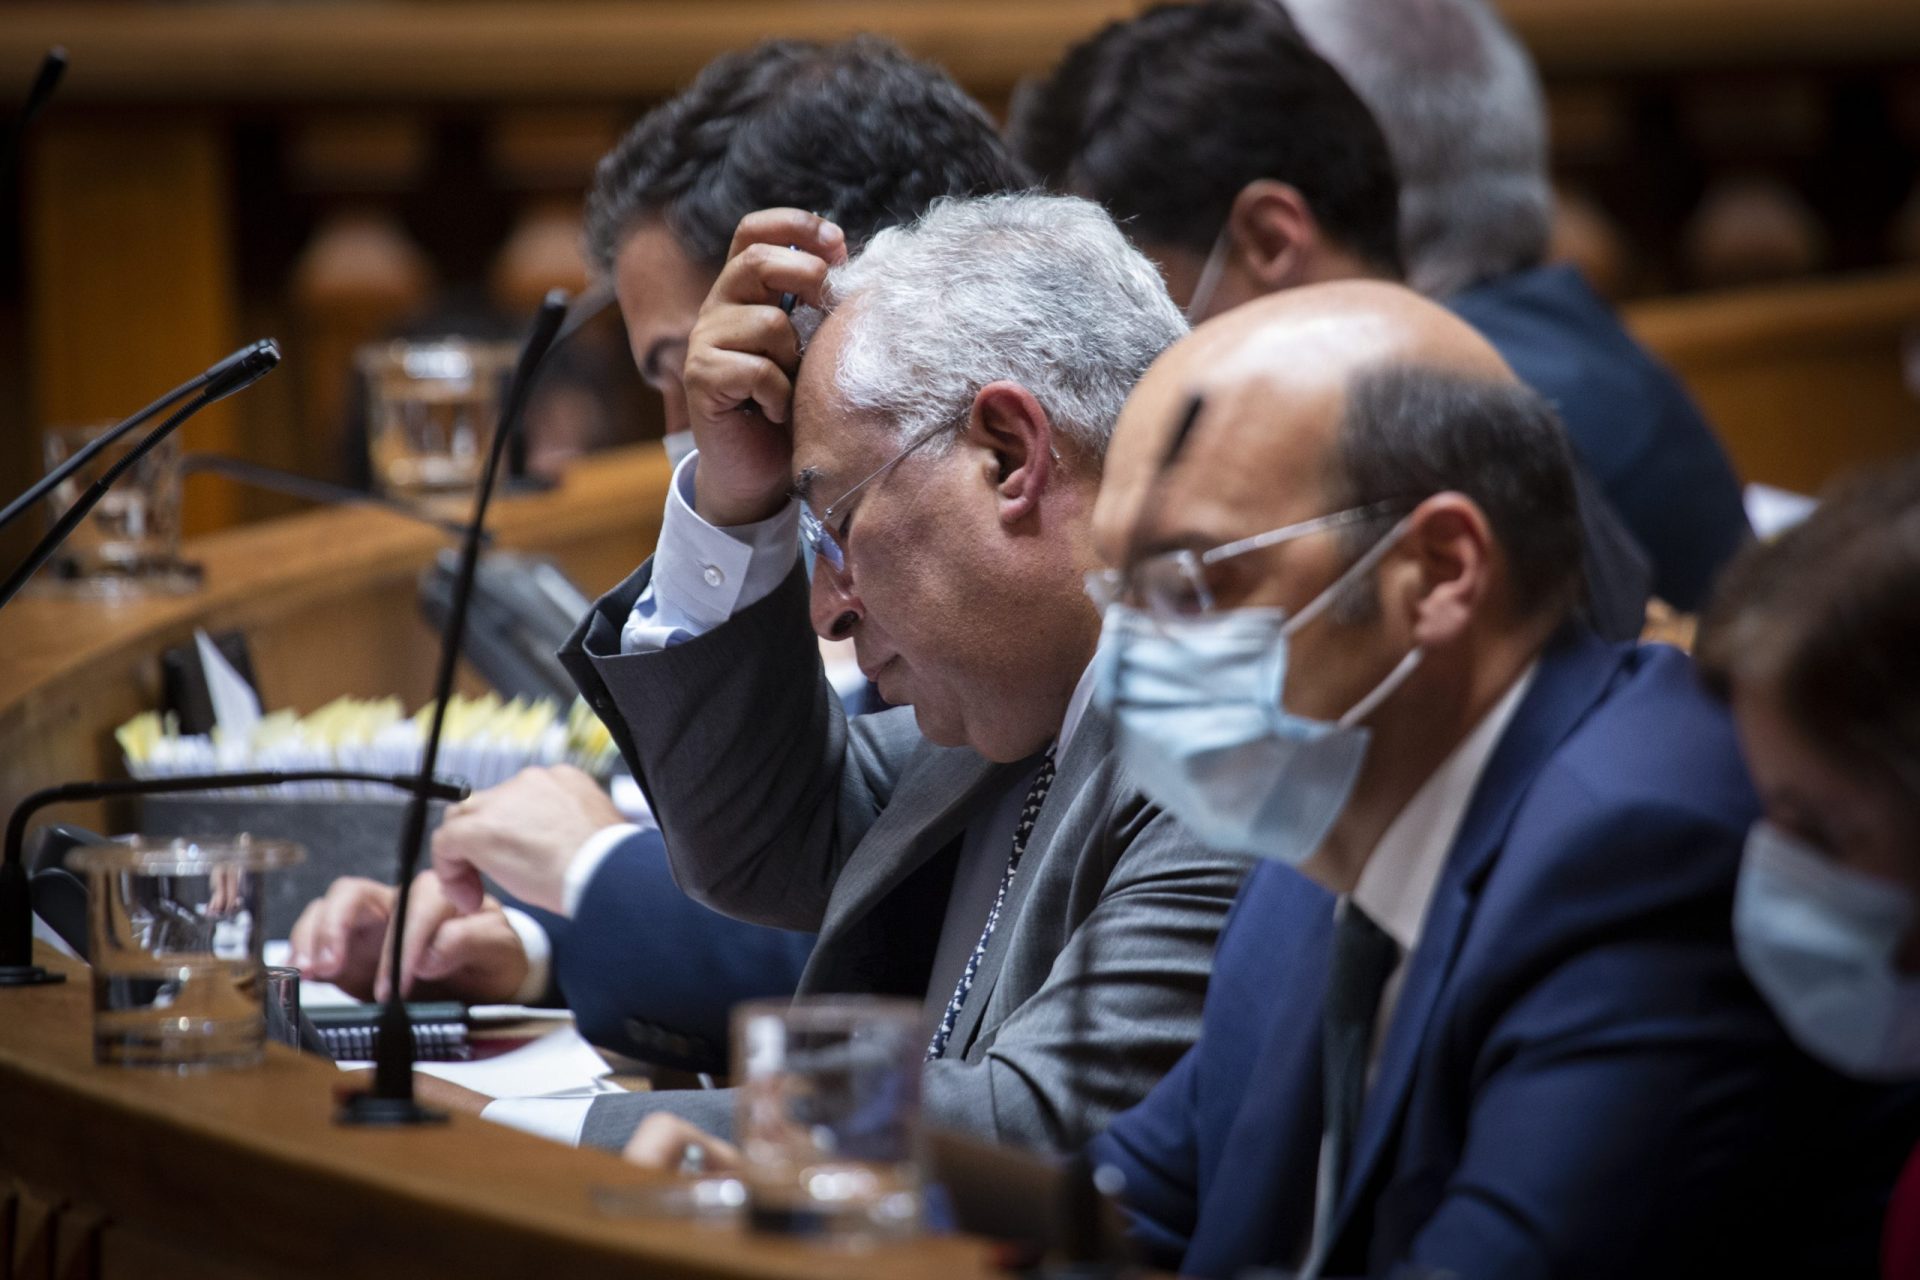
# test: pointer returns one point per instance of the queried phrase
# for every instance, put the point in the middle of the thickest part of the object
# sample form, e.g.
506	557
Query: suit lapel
1084	756
927	812
1573	676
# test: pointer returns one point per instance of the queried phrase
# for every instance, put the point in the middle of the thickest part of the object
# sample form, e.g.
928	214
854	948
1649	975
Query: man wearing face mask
1241	162
1812	639
1485	1019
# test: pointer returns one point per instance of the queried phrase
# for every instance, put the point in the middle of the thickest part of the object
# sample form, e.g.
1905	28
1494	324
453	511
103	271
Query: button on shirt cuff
704	574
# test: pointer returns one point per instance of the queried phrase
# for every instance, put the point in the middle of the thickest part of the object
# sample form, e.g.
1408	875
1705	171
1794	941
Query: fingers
667	1142
459	878
729	380
478	958
337	937
427	909
808	232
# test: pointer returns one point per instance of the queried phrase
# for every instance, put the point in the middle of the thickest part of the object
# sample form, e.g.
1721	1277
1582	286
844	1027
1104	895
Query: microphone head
243	368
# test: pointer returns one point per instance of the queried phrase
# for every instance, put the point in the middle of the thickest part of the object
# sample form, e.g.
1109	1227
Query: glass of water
129	544
432	407
828	1115
175	929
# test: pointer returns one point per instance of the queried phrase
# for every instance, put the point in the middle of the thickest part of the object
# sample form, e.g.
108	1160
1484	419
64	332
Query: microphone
45	81
313	490
230	375
17	968
256	358
390	1102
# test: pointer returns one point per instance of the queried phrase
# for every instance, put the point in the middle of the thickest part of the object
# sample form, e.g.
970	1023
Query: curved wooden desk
114	1173
327	600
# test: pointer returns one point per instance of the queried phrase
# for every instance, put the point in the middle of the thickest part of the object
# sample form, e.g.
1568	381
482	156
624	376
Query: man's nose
836	606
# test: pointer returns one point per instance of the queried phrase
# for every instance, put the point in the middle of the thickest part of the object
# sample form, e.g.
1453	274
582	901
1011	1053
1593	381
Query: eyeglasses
825	542
1174	583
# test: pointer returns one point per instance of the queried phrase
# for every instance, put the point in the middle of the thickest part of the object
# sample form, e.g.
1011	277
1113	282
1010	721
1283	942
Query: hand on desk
678	1146
343	939
523	833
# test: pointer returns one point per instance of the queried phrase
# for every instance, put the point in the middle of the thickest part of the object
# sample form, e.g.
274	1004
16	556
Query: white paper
236	708
559	1062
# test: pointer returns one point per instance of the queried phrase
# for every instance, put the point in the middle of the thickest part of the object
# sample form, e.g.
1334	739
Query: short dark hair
1411	431
1164	118
1830	613
855	130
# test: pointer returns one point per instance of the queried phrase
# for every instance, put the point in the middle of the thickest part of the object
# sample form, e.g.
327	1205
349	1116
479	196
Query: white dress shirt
1396	885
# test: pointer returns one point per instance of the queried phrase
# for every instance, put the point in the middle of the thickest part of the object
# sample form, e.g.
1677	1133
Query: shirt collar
1076	708
1396	886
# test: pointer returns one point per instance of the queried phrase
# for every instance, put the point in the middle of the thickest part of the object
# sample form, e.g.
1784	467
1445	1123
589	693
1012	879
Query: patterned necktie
1036	796
1363	959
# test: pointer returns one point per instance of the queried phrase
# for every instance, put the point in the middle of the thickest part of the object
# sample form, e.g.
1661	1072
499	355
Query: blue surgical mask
1206	737
1820	941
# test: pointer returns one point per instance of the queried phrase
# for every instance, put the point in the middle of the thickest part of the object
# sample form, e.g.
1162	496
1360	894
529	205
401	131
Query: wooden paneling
128	271
1802	381
583	49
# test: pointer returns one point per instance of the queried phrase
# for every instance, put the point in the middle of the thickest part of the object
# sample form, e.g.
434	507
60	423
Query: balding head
1335	396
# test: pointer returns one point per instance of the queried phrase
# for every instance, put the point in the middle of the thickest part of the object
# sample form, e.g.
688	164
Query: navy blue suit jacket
1577	1079
1633	424
651	973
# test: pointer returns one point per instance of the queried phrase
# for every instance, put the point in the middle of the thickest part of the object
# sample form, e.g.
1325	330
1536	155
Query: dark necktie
1036	796
1363	959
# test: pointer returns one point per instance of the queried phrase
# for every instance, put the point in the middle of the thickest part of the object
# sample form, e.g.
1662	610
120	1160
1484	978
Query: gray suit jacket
778	810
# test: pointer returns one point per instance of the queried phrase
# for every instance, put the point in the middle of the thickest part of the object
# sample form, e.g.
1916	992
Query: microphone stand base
368	1110
28	975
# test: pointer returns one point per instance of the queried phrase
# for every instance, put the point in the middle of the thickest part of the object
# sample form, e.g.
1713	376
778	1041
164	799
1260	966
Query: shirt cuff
704	574
558	1119
539	949
586	862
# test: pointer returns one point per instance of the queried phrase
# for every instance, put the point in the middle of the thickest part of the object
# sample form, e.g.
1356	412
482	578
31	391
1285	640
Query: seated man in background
1460	102
978	849
1240	161
1486	1018
857	128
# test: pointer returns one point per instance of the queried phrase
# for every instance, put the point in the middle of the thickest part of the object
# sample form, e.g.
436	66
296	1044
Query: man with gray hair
1460	104
978	849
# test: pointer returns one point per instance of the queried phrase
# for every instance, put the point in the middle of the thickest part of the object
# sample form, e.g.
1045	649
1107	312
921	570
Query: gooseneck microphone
244	366
390	1101
309	489
45	81
17	968
241	369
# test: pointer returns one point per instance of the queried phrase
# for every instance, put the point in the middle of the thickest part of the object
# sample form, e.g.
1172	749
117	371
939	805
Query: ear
1441	575
1014	439
1275	235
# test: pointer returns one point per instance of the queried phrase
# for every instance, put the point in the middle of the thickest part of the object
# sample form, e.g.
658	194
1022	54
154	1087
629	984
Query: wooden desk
113	1173
327	600
1802	381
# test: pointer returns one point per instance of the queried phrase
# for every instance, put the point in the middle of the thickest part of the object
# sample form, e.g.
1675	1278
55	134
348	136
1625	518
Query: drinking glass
129	544
282	1004
432	407
828	1115
176	938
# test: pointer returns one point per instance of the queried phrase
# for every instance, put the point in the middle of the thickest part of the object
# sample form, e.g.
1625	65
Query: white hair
1460	102
1039	290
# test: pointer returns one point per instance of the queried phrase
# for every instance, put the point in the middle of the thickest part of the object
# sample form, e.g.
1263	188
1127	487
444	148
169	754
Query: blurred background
1741	176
